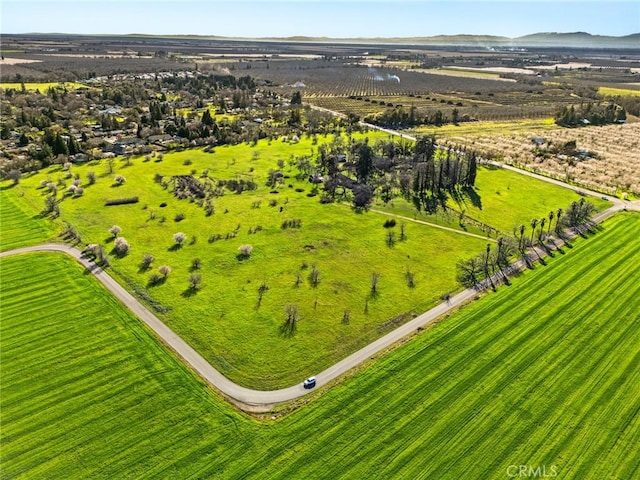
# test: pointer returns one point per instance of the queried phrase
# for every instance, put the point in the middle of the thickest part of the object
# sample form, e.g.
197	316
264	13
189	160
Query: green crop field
42	87
487	128
19	225
613	92
226	320
542	373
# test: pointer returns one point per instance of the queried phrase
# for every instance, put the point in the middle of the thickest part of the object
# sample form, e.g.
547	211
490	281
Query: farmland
275	241
540	373
499	190
609	162
42	86
20	226
245	298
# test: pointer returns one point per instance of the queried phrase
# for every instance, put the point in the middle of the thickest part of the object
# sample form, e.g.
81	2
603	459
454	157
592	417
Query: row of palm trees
485	266
523	242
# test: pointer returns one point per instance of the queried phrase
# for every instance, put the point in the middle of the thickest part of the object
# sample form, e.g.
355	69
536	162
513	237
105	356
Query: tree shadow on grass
472	195
288	329
156	281
175	247
189	292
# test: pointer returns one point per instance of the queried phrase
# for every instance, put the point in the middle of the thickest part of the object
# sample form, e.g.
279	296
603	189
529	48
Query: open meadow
312	261
542	373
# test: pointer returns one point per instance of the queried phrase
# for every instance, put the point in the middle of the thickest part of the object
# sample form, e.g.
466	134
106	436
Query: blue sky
332	18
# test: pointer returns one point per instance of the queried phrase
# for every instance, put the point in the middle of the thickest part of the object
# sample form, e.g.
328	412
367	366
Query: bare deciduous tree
115	230
375	278
314	276
147	260
121	246
288	328
195	280
179	238
164	270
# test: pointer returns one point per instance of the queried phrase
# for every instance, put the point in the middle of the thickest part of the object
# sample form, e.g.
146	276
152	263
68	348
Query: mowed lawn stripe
19	227
100	382
412	412
540	372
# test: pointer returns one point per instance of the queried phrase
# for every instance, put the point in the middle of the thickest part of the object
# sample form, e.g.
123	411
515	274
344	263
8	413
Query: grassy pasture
225	320
505	200
542	373
19	224
42	87
614	92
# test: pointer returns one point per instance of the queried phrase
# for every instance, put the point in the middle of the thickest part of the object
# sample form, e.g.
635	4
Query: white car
309	382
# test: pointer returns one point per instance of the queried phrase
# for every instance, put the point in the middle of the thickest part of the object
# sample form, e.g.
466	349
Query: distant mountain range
551	39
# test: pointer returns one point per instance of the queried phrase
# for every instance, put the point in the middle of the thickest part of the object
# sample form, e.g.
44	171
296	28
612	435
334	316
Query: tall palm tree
521	241
486	267
551	215
534	223
559	213
543	220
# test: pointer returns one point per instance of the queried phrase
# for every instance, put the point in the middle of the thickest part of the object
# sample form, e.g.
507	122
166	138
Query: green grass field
541	373
505	200
19	225
42	87
614	92
487	128
225	320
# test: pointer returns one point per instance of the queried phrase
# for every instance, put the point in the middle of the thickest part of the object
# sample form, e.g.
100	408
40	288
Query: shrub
115	230
390	223
121	201
293	223
119	179
179	217
91	177
245	250
179	238
121	246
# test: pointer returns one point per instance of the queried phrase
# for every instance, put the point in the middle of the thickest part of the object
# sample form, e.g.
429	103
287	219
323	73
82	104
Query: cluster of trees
590	113
424	173
399	117
494	264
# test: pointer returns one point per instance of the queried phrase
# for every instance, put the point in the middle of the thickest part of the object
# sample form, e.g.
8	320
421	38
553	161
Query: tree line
494	265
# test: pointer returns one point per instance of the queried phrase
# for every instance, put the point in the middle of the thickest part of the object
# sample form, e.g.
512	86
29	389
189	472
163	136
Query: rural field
543	372
322	266
21	225
613	164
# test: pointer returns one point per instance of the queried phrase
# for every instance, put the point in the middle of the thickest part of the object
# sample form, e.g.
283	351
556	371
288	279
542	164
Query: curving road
260	400
257	400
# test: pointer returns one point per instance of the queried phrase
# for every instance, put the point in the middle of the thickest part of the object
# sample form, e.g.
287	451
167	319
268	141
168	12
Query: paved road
258	400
